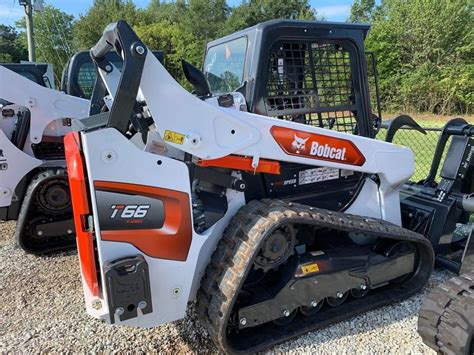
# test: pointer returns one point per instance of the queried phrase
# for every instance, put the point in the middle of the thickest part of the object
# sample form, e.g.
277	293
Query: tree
205	18
90	26
361	10
53	37
171	12
425	52
251	12
12	49
176	43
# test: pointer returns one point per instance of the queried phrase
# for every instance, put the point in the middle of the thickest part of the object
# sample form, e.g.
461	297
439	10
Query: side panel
170	251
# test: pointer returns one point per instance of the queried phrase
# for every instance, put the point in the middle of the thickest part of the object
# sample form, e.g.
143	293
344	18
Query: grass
423	146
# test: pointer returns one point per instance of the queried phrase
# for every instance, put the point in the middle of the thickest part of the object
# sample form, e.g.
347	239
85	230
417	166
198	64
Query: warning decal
310	268
173	137
310	176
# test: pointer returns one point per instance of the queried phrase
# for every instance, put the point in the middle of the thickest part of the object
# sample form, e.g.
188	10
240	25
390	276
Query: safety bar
120	37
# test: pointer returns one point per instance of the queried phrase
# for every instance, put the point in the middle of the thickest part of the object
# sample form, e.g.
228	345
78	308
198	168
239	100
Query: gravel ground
42	310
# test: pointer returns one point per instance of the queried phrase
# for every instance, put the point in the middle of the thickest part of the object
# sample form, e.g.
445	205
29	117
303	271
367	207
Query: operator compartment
302	72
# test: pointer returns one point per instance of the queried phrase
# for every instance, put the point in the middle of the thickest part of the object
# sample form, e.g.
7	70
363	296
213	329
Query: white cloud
334	11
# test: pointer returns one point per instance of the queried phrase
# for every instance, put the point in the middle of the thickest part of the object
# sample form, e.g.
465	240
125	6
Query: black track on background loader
446	320
45	221
226	297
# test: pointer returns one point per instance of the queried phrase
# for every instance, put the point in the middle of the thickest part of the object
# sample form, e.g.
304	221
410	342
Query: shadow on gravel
195	336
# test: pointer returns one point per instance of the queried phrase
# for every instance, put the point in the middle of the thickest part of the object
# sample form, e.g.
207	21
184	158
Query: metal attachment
314	303
119	311
339	294
40	233
363	286
108	68
96	304
142	304
286	313
140	50
243	321
69	231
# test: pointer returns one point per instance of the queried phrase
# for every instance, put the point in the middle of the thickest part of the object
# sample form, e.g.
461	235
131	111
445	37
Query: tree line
424	48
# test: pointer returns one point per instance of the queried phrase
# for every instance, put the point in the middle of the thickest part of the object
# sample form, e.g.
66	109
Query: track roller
278	263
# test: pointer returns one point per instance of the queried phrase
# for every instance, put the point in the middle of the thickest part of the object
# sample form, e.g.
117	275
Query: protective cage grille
311	82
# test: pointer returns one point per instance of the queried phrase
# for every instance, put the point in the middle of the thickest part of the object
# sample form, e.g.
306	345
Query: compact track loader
33	178
276	224
33	182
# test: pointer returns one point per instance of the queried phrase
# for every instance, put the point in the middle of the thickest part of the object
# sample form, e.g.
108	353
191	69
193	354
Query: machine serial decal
310	176
174	137
317	146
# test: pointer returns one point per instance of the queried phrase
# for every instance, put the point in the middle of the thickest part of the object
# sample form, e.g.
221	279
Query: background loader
34	182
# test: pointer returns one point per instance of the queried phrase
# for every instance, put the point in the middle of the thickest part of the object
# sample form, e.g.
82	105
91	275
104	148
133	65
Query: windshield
224	65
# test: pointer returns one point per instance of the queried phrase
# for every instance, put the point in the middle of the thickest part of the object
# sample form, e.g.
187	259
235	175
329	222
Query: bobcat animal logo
299	144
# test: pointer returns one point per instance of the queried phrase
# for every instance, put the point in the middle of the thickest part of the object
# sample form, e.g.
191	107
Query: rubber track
241	242
25	211
446	320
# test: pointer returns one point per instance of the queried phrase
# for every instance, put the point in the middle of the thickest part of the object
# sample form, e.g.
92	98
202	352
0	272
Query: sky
11	11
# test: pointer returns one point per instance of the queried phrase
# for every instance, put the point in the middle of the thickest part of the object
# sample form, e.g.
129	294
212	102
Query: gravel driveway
42	310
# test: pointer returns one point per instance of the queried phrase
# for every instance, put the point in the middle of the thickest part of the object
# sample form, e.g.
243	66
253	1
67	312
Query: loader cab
309	72
80	73
305	71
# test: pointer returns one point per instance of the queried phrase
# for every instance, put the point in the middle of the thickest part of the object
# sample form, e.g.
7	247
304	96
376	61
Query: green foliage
12	49
89	27
425	52
175	42
53	38
361	10
251	12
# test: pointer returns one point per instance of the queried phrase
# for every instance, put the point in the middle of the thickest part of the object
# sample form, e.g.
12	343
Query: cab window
224	65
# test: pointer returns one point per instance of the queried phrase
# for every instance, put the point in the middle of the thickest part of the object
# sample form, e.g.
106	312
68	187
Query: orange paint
317	146
80	206
243	163
173	240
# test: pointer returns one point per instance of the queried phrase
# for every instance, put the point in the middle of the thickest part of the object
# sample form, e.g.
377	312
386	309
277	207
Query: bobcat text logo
299	144
326	151
129	211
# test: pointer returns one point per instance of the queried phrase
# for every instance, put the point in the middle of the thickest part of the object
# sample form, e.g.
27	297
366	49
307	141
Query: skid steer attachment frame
171	222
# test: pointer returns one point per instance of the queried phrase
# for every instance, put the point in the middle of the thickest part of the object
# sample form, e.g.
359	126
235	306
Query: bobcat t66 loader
276	224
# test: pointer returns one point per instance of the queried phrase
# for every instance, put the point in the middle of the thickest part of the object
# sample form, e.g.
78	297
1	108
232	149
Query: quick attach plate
128	288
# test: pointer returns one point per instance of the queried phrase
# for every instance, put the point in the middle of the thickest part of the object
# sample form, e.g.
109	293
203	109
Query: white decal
317	174
326	151
299	144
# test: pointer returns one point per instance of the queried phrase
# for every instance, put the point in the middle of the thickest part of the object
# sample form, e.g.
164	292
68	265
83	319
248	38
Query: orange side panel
173	240
243	163
80	206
